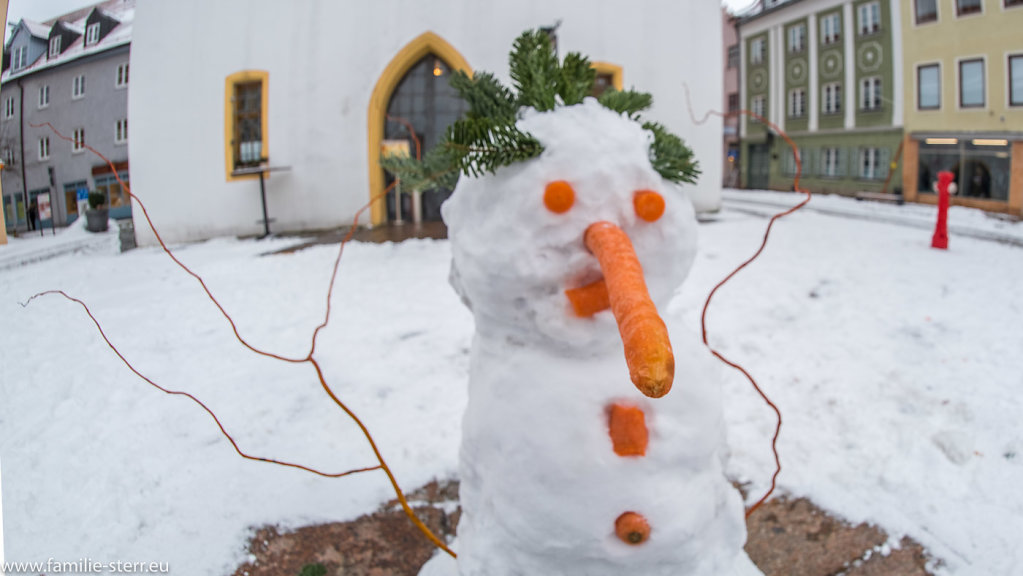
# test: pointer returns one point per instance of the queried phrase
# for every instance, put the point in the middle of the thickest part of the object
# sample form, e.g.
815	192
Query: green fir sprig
487	137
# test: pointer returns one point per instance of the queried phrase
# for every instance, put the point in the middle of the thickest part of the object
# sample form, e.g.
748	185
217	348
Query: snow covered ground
896	367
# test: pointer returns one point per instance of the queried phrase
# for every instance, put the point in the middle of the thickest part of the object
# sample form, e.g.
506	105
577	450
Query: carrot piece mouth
648	352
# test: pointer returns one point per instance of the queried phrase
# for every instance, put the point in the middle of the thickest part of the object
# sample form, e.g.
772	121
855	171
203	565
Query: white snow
895	366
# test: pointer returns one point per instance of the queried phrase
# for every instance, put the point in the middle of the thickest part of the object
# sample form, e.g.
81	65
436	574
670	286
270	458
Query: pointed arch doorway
414	87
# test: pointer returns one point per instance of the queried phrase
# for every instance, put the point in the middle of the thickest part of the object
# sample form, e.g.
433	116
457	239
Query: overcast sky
40	10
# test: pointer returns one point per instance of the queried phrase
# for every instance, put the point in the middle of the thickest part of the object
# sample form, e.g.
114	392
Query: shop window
981	166
108	185
928	87
971	83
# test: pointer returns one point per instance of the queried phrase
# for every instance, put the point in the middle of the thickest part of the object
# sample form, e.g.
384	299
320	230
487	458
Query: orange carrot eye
649	205
559	197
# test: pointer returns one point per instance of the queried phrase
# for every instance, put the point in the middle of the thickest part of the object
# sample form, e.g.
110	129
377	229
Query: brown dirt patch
786	538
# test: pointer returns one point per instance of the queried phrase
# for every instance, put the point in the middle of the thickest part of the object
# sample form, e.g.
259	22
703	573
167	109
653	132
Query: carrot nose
645	337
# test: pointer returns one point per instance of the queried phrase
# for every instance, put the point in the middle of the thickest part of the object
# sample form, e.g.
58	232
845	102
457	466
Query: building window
733	102
971	83
121	131
92	34
20	58
108	186
78	143
757	107
78	87
831	28
797	103
44	148
122	75
733	56
790	166
964	7
871	164
9	156
831	163
832	98
870	18
928	87
797	38
44	96
9	107
54	46
870	93
1016	79
926	11
246	120
756	51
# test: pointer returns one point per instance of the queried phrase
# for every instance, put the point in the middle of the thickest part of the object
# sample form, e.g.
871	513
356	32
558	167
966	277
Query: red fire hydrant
940	238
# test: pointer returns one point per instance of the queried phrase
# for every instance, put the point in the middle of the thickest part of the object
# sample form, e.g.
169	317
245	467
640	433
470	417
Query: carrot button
632	528
649	205
559	197
627	426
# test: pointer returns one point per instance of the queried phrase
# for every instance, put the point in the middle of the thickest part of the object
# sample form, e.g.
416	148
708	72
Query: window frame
983	82
836	163
44	96
19	59
875	88
121	79
831	93
757	47
78	140
9	108
758	101
933	17
795	111
828	39
244	77
121	131
44	146
78	87
92	34
54	49
972	11
797	41
1013	100
874	8
732	56
919	93
873	154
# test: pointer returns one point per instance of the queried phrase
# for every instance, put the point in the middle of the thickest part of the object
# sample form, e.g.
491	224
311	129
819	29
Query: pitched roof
121	10
36	29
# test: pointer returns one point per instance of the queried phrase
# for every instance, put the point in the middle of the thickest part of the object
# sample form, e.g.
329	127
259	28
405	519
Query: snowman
592	439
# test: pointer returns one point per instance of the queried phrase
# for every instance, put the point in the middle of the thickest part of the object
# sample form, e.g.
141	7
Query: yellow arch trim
425	43
229	83
617	76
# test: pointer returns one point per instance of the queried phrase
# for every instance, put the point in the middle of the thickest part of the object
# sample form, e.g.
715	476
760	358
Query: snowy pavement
895	366
38	246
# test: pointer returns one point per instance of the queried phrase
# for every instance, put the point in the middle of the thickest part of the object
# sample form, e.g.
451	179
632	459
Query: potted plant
97	215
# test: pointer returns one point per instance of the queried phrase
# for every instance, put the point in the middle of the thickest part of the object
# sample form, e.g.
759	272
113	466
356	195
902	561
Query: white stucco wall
324	58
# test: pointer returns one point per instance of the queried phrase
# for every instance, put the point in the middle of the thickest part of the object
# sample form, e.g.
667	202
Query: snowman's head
517	235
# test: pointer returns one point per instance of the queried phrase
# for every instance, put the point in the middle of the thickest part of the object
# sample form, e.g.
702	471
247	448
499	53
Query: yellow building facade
963	102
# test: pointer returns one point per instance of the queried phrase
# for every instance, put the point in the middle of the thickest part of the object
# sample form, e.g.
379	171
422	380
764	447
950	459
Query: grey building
71	72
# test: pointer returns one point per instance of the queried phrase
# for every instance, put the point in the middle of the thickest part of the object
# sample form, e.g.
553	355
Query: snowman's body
541	483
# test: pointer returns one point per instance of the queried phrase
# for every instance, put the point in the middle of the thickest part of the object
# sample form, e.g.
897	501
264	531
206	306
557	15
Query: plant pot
96	220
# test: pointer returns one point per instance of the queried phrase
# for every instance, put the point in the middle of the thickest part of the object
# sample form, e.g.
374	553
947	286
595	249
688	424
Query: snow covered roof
121	10
37	29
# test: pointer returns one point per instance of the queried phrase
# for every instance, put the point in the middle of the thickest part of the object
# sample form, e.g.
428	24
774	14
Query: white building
307	84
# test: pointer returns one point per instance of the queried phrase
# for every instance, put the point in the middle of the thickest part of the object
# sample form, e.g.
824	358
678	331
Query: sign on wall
45	210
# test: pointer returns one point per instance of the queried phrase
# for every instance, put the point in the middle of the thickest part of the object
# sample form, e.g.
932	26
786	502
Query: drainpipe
21	138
